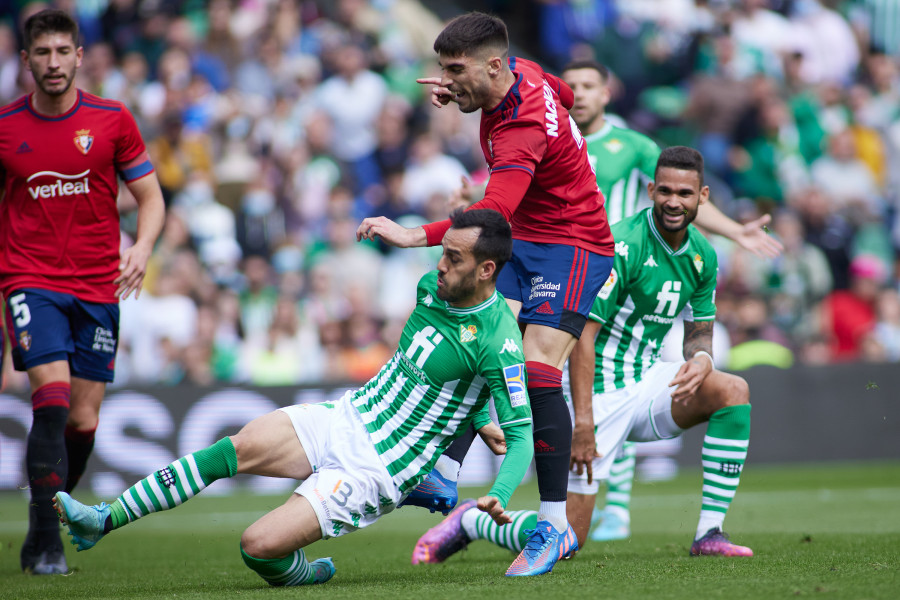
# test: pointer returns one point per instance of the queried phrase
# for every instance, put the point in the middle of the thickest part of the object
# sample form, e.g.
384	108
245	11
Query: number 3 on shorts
344	491
20	310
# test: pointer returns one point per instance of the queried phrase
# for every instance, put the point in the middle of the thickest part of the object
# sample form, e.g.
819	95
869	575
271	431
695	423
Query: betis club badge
83	140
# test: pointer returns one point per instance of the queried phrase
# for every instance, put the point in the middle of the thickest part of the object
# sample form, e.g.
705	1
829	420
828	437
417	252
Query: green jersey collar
472	309
599	135
685	244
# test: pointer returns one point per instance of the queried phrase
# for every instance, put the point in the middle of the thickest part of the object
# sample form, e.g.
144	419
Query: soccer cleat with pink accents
715	543
544	548
444	539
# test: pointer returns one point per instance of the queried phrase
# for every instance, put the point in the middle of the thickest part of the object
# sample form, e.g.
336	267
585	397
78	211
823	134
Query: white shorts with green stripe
350	488
639	413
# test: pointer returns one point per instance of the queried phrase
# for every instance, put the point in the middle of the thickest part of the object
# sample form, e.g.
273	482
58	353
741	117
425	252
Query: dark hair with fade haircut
471	32
588	64
51	20
681	157
495	240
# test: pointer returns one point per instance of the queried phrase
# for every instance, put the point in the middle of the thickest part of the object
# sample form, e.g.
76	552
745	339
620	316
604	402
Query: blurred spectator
288	353
849	181
429	171
883	344
849	316
756	341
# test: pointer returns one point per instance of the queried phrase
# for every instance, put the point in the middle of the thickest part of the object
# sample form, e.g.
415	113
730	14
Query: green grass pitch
819	531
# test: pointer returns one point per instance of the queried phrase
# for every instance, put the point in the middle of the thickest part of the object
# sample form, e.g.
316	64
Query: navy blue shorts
555	283
47	326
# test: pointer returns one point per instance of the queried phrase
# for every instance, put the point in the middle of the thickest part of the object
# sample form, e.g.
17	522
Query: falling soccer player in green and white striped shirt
460	347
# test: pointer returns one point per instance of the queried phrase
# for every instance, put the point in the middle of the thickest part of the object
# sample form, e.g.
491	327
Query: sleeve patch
515	384
607	288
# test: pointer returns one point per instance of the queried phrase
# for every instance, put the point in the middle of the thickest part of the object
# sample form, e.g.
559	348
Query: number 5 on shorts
20	310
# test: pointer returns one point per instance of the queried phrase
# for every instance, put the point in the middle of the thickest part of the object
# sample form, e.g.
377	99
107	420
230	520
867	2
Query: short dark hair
495	240
50	20
471	32
681	157
588	64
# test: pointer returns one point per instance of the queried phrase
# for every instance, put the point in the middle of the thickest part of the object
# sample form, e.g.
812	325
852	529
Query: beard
462	290
45	85
659	215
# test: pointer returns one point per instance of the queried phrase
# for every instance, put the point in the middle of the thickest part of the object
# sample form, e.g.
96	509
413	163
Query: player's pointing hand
440	96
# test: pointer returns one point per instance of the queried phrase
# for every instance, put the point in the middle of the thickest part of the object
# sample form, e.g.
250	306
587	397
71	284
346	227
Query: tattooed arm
698	354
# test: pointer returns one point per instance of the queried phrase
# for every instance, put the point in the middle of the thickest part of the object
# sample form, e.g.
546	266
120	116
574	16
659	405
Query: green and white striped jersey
624	161
449	363
648	287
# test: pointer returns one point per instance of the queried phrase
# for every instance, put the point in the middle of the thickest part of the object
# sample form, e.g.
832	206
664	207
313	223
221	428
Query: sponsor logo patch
515	384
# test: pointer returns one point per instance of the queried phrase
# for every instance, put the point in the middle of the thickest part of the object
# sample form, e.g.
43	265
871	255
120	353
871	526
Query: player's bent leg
723	400
436	493
273	545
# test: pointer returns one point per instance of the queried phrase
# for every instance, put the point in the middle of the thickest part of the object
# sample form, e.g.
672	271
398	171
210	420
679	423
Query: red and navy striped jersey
59	223
531	131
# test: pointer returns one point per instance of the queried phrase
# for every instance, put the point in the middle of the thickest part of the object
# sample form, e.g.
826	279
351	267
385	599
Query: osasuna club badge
25	341
83	140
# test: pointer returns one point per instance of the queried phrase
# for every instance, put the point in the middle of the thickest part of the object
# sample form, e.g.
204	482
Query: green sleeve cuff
519	452
482	417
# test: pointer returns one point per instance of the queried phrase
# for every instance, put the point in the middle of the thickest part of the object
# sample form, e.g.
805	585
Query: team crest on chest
83	140
467	333
615	146
698	263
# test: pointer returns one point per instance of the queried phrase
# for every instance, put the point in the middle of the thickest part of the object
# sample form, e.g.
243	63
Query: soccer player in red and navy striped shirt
542	182
62	152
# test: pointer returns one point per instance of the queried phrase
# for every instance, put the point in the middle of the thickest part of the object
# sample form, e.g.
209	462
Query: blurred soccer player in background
62	151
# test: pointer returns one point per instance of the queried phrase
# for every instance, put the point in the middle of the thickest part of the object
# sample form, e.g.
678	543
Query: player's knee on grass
257	545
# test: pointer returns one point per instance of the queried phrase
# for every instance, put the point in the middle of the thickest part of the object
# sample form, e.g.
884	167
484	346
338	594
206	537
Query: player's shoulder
427	286
14	107
633	228
635	138
94	101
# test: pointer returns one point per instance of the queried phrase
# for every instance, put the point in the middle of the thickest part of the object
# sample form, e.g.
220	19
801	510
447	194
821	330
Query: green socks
724	452
172	485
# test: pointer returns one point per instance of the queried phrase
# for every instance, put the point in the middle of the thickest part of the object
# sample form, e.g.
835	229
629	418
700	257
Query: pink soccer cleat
715	543
444	539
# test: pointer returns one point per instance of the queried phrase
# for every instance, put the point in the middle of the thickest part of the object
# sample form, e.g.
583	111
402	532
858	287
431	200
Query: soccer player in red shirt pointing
62	151
542	182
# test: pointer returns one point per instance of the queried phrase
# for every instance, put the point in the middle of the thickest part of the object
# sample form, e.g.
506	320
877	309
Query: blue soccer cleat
434	493
611	527
544	548
323	570
85	523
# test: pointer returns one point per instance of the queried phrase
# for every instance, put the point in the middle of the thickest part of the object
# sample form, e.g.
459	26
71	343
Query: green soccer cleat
85	523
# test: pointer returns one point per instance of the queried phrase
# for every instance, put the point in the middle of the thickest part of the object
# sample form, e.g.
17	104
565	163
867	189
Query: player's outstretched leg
87	524
467	524
444	539
293	569
724	451
614	521
162	490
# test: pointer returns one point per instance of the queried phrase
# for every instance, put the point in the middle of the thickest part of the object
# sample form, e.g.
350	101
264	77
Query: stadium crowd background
276	125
